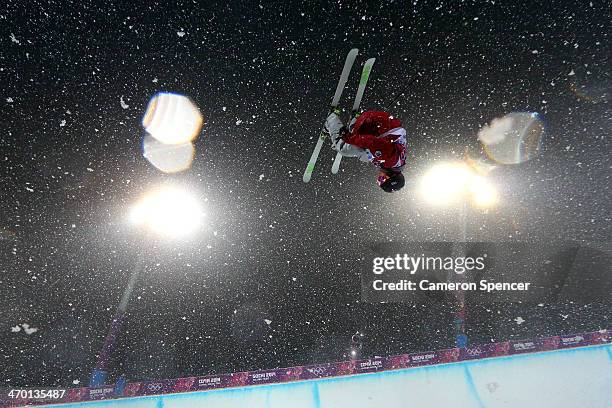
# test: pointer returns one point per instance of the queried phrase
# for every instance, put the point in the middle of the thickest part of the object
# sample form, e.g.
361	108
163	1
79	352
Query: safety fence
30	396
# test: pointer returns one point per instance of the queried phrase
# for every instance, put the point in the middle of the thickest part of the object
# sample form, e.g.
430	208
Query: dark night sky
275	248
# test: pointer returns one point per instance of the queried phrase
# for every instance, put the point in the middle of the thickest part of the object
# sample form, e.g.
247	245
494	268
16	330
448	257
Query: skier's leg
349	150
333	124
334	128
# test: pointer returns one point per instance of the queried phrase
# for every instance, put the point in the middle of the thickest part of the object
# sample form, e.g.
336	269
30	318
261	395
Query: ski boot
333	125
352	122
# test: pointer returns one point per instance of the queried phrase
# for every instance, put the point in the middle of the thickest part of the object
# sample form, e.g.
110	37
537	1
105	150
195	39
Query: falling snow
123	104
272	277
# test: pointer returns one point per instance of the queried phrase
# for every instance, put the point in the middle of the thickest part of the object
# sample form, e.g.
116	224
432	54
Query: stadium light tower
458	184
164	213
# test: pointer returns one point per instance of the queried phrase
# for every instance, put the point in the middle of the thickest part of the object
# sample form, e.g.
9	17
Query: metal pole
461	339
98	376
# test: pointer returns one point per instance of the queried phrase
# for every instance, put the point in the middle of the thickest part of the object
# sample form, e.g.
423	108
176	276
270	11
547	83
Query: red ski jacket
383	138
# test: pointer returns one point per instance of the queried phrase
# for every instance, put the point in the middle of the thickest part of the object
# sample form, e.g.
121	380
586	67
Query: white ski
348	64
365	75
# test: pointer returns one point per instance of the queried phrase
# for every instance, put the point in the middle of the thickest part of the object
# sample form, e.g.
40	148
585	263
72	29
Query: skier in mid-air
376	137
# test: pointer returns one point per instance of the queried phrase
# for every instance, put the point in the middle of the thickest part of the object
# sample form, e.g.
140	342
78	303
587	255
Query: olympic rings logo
317	370
154	387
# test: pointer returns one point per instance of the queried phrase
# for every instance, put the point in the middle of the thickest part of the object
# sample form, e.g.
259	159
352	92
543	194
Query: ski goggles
382	177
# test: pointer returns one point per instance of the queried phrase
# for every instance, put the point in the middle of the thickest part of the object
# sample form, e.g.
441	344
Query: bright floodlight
449	183
168	212
445	183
